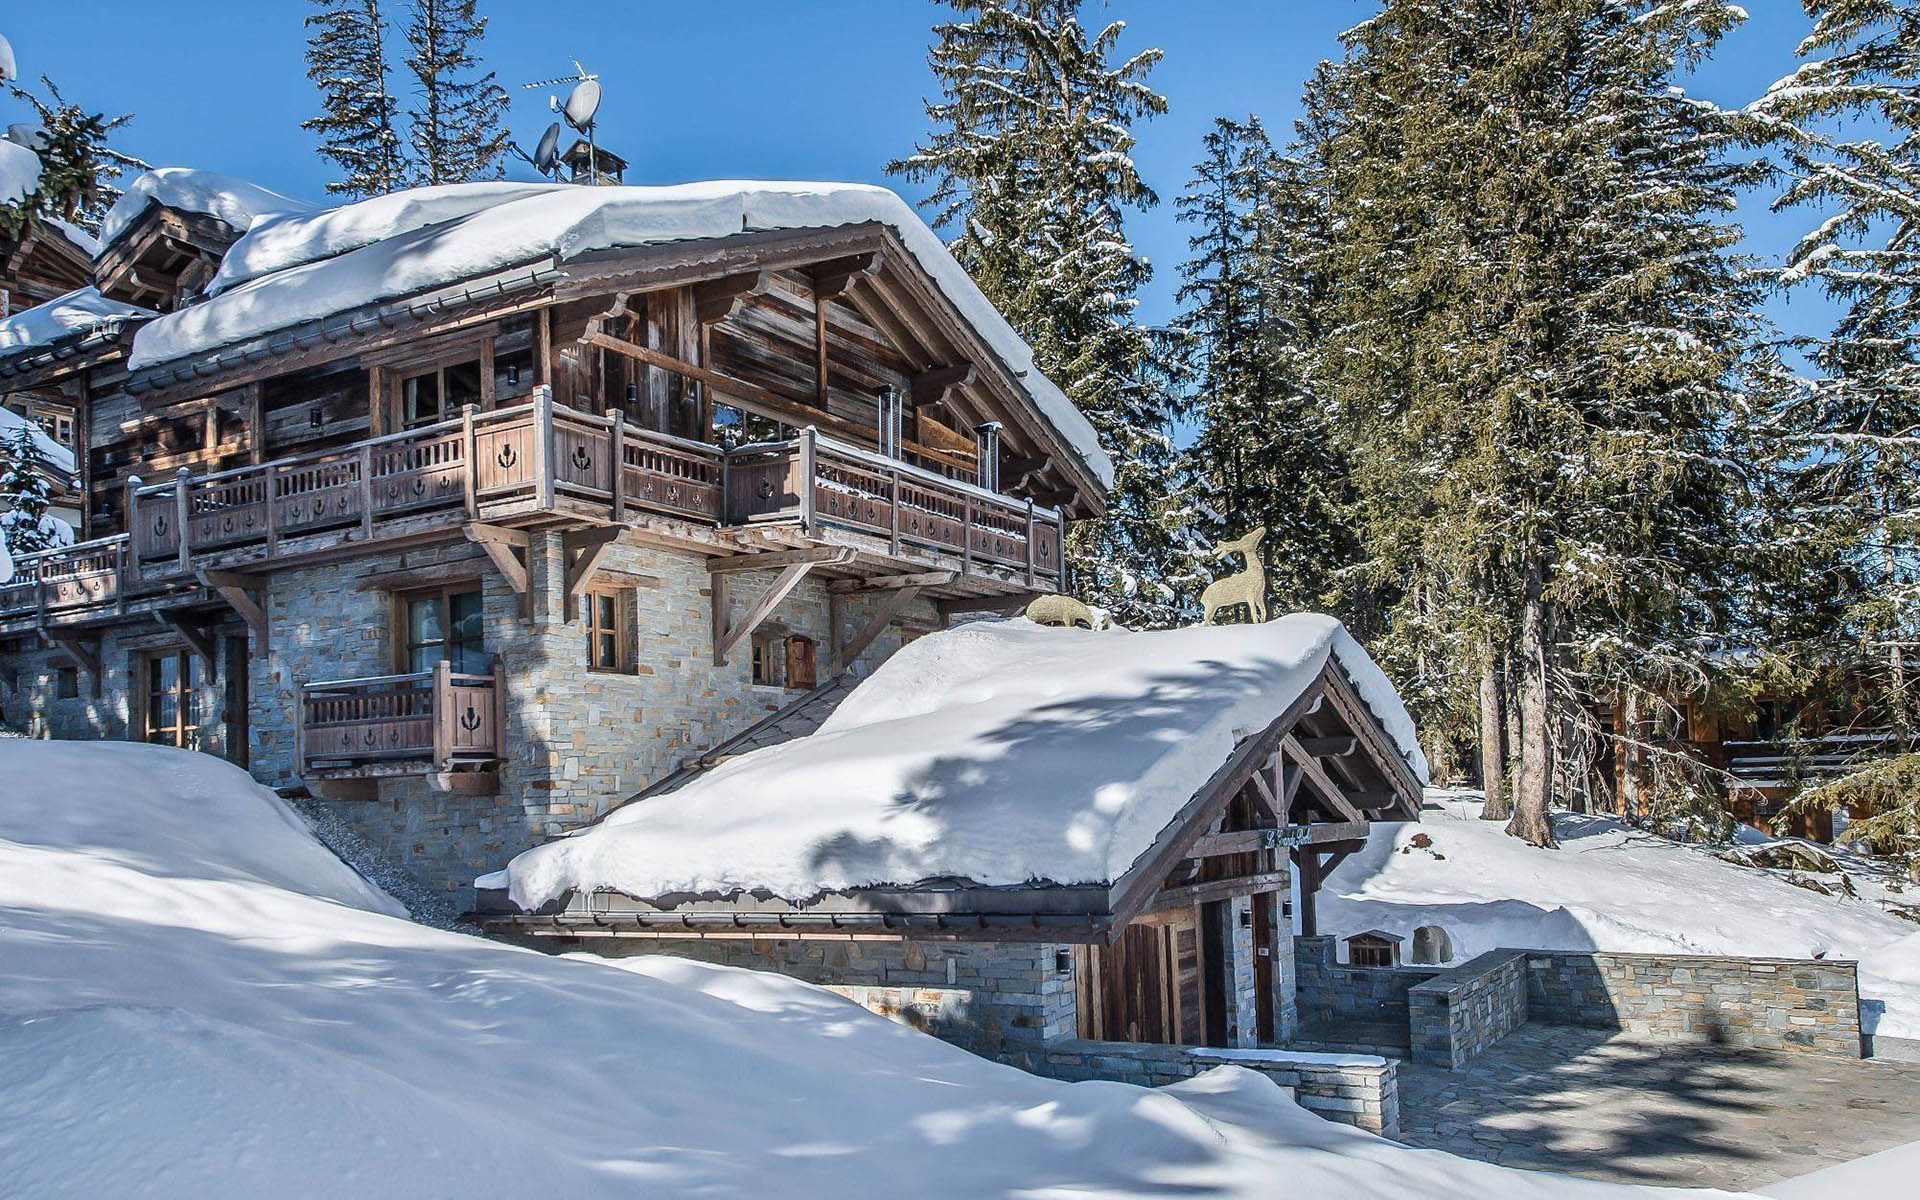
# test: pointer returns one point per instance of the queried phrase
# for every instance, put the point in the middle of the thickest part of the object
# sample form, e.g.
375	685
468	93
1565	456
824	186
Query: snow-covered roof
58	457
1000	752
19	172
222	197
89	244
307	267
64	318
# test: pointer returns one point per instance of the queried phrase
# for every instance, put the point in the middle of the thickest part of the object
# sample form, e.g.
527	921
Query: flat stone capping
1354	1089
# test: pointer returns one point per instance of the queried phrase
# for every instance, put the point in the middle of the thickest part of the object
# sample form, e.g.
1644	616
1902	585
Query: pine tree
1536	318
79	166
1848	442
1264	453
24	492
347	61
1031	164
455	125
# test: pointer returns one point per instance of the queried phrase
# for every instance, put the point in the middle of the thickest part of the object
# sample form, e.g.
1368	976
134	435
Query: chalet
475	510
1016	836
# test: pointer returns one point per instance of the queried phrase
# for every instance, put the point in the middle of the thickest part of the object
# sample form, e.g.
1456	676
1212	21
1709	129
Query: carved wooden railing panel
87	575
435	717
671	476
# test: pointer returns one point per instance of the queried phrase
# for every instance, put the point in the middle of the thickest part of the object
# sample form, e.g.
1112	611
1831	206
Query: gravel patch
423	904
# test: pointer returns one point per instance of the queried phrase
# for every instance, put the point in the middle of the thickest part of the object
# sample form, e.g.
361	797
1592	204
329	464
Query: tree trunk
1530	820
1493	739
1633	759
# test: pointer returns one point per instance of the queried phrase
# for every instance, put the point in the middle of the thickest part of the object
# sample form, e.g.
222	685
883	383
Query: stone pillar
1243	1024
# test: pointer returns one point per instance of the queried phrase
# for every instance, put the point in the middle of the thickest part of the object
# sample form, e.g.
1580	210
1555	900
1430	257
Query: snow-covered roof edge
338	264
235	202
64	319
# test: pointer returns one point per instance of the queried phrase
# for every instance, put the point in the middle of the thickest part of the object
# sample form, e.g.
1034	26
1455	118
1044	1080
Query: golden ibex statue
1065	611
1249	587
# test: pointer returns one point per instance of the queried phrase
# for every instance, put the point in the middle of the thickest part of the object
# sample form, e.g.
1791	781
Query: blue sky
822	89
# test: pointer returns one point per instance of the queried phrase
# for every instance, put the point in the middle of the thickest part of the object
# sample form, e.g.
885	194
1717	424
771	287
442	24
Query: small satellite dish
547	155
582	103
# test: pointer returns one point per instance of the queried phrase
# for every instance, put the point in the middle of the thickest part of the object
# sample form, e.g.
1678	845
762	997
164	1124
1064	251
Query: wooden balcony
438	720
535	462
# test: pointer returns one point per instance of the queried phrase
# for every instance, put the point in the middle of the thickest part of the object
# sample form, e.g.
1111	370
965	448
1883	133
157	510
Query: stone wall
580	741
1353	1089
1459	1013
32	705
1765	1003
1329	993
998	999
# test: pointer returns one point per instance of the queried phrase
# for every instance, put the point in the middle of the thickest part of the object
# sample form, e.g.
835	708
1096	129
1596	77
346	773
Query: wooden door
236	701
1263	952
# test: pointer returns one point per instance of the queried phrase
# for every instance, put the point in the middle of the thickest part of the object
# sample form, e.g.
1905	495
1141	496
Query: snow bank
178	1018
1002	752
234	201
1611	887
1881	1176
308	268
19	172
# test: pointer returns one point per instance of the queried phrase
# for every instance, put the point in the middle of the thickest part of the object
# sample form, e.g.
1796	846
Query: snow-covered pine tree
347	61
1263	453
1030	157
79	165
1535	317
24	492
454	125
1848	125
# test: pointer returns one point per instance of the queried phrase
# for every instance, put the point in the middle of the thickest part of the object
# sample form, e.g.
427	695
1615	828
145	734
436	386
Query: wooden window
172	711
66	683
1369	956
604	612
769	658
424	397
445	623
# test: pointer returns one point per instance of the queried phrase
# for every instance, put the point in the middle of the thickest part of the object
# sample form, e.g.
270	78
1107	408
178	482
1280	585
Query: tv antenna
578	110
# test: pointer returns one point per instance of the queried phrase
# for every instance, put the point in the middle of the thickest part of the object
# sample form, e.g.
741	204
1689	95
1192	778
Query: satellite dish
547	155
582	103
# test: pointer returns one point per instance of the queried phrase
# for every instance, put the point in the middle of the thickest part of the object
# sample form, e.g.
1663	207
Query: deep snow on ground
198	1000
1612	887
1886	1174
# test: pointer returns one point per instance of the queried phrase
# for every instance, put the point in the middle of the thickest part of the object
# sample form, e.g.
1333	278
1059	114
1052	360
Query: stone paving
1611	1106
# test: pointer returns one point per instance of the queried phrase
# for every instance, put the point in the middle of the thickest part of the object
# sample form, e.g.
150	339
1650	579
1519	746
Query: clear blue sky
821	89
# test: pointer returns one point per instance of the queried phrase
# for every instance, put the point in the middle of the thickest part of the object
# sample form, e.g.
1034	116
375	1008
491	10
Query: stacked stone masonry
1459	1013
1358	1090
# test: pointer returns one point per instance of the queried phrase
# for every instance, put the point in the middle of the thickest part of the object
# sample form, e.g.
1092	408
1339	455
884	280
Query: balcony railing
440	718
531	458
52	582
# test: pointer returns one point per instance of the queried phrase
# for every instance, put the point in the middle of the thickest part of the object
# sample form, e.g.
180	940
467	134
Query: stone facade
1763	1003
1461	1012
1332	994
1003	1000
1352	1089
579	741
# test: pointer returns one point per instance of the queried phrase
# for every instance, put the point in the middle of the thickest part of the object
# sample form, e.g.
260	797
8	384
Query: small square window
66	683
603	612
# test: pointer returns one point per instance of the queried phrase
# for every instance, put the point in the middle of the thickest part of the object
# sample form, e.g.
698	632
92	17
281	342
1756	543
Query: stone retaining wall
1766	1003
1457	1014
1353	1089
1331	993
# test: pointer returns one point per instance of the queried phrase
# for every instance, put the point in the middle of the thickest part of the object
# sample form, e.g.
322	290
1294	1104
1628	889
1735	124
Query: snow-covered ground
1611	887
196	999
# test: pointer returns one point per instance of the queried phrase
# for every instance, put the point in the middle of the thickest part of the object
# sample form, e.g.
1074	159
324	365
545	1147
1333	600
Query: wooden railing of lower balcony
439	718
67	578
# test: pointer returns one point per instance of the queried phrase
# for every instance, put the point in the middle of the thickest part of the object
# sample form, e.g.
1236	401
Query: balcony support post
129	516
795	566
512	553
442	715
1029	541
897	600
809	462
583	551
618	484
366	491
237	590
543	444
180	478
467	486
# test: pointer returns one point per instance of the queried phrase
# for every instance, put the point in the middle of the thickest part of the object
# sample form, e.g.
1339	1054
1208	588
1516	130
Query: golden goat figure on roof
1248	587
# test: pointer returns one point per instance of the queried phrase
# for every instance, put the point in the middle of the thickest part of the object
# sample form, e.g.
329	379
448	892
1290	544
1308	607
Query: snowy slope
307	267
1610	887
1002	752
198	1001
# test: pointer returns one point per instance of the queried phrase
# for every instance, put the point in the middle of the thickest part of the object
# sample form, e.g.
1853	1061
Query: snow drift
1001	752
234	202
1612	887
199	1000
